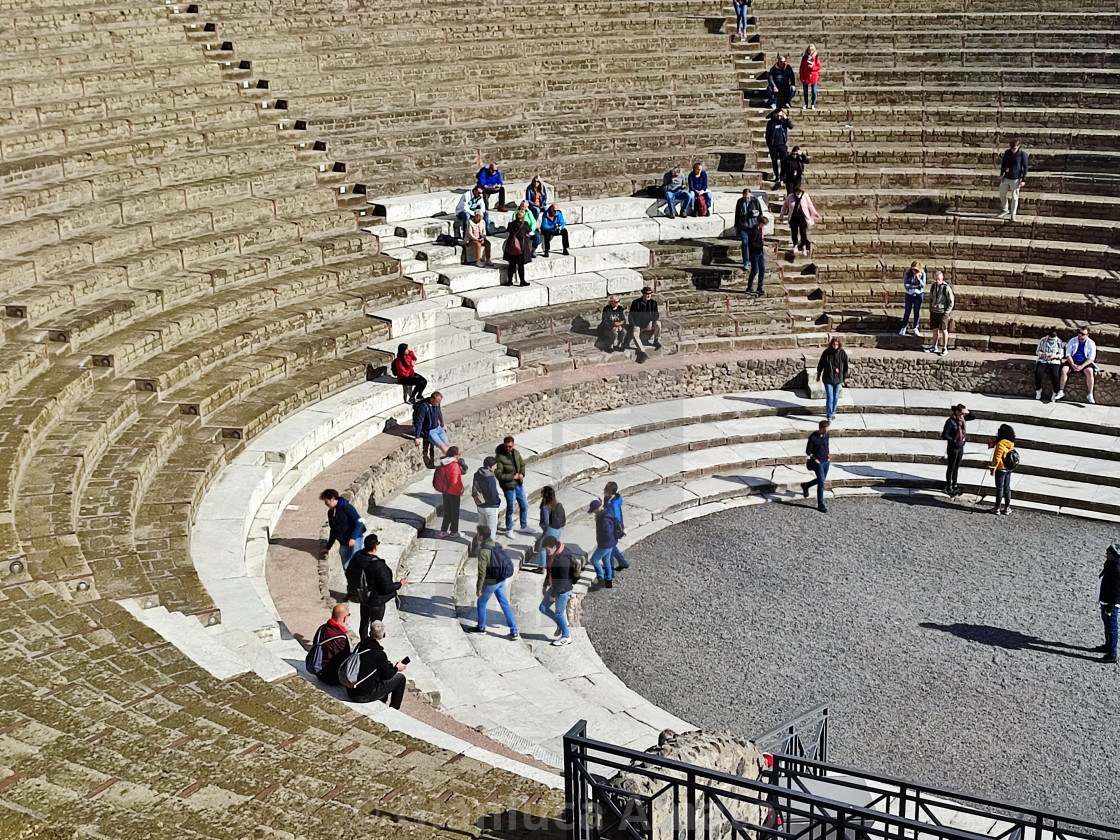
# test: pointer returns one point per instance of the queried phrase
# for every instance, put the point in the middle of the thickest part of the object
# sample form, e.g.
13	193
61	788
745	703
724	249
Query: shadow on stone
517	825
1001	637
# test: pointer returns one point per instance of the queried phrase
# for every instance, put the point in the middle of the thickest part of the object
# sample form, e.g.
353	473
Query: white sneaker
902	331
1089	399
563	641
1058	396
1038	393
1012	217
917	332
932	349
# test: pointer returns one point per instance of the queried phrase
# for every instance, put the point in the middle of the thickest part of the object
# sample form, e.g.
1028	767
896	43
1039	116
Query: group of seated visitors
690	192
1055	361
619	327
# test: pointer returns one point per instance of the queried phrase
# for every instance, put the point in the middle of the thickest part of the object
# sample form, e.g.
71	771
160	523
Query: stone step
192	639
421	315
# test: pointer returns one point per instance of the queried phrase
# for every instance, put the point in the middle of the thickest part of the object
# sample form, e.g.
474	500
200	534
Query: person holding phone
378	679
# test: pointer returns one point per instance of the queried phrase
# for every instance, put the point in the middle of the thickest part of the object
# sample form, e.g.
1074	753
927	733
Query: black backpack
500	567
1011	460
357	582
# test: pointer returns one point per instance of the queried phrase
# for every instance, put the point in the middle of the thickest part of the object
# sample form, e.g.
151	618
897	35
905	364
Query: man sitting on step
645	319
470	202
490	182
674	186
781	84
552	223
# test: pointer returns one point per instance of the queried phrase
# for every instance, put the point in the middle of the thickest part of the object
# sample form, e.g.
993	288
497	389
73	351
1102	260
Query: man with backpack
368	675
494	568
484	491
370	583
607	531
560	579
330	646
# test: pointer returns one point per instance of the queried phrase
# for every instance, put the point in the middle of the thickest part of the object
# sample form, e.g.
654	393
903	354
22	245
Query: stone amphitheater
220	218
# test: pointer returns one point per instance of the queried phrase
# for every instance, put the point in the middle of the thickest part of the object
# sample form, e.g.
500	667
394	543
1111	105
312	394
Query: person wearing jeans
914	284
833	369
347	527
1108	595
954	433
754	252
488	587
741	7
510	473
560	577
674	186
607	529
817	460
553	519
810	73
1004	443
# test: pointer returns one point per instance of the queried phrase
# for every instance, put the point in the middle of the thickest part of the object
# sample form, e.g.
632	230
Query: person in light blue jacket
914	280
612	501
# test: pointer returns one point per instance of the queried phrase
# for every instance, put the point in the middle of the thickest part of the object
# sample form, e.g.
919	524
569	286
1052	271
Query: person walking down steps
817	461
799	210
832	368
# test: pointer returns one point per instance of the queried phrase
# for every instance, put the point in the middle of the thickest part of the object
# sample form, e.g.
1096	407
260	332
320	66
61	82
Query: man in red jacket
335	642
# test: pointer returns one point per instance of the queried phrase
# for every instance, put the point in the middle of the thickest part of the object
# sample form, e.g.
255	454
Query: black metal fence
660	798
805	736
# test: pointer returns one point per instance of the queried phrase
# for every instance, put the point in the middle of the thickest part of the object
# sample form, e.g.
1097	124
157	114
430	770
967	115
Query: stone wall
476	422
721	753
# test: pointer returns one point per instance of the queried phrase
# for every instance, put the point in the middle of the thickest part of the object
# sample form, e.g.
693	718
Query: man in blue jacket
552	223
698	186
428	428
346	526
490	179
607	531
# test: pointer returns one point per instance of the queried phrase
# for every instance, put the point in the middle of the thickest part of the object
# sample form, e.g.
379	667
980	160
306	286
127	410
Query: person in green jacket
488	586
511	478
941	301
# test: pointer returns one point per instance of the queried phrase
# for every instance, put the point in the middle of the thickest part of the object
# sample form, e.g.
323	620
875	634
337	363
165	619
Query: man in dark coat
781	84
1108	595
370	583
777	139
1012	176
335	644
378	678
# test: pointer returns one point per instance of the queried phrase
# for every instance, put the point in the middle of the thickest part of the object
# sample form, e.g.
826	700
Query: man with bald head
335	642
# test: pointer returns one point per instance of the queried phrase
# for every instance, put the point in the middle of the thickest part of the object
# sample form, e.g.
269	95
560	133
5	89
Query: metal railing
804	736
623	794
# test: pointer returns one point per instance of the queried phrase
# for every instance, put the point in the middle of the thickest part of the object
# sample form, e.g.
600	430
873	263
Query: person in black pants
793	169
954	435
817	460
517	248
369	581
777	138
378	678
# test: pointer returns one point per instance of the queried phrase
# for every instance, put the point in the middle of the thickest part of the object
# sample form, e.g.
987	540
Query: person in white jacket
1081	357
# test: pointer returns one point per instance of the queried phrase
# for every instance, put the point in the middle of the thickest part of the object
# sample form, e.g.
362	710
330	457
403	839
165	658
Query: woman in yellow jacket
1005	442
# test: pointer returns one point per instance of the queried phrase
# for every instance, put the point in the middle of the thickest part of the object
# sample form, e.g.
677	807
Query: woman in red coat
810	74
404	368
448	480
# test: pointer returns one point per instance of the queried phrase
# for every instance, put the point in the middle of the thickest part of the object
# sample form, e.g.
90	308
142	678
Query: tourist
345	524
1012	177
818	461
781	85
552	223
644	318
524	214
553	518
511	478
741	8
832	367
448	481
1048	363
428	428
1108	596
699	196
1001	465
369	582
517	248
1081	355
754	251
674	186
404	368
607	531
561	575
470	203
490	182
612	326
955	434
334	642
793	168
914	286
478	245
810	74
494	570
377	678
799	210
484	491
777	138
612	501
537	197
941	302
748	215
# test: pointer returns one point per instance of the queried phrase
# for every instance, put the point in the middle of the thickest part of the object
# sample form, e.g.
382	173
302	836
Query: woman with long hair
1001	468
810	74
833	369
553	520
518	246
404	368
537	196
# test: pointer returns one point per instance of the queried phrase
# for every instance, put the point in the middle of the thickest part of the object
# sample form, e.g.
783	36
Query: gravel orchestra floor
955	648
